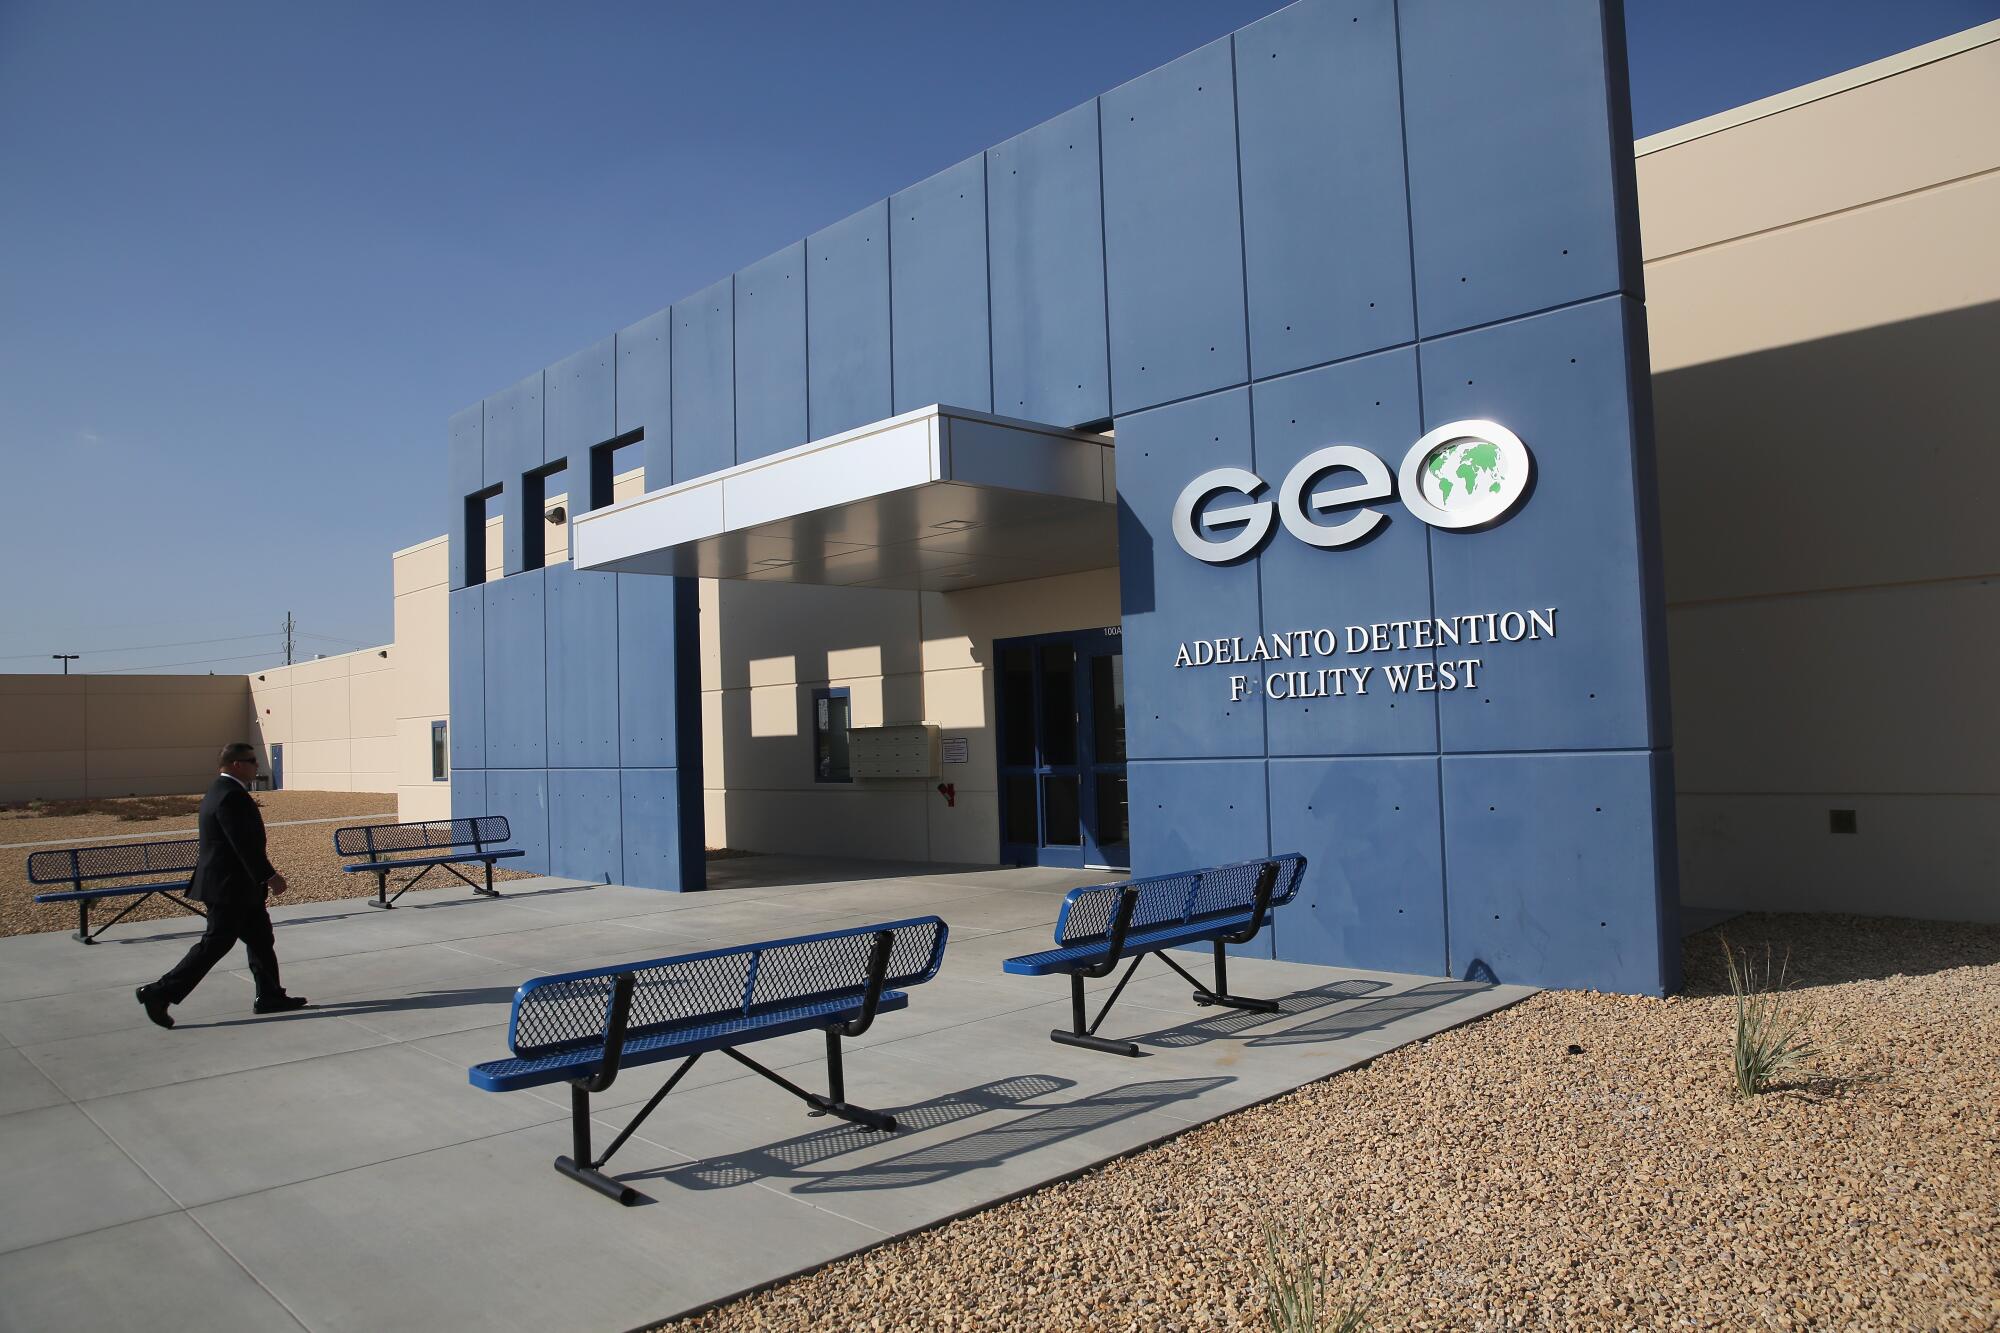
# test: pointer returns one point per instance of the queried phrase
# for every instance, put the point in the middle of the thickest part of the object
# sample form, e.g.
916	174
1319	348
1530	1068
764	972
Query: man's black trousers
227	923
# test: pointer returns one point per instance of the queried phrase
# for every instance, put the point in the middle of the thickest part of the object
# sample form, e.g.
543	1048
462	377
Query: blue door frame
1060	724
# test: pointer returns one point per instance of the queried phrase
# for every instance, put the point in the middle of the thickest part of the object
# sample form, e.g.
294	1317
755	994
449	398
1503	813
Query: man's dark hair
235	753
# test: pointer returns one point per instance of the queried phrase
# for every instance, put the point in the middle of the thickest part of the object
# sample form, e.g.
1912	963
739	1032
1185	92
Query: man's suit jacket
231	866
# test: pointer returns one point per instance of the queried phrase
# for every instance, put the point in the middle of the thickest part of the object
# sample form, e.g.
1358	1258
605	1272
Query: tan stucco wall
904	657
1823	292
336	718
421	579
70	736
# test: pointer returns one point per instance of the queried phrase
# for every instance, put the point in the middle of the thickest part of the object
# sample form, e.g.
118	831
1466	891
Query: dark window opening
609	459
538	515
479	508
832	714
440	754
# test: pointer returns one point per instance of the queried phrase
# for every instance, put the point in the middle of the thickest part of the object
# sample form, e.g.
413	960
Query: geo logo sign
1463	475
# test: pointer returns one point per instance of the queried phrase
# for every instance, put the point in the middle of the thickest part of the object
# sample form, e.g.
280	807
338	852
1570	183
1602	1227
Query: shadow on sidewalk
1375	1014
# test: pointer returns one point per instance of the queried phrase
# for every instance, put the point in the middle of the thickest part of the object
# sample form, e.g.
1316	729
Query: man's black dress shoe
284	1004
156	1006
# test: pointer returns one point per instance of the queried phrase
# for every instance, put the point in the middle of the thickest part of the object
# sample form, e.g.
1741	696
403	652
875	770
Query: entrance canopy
939	498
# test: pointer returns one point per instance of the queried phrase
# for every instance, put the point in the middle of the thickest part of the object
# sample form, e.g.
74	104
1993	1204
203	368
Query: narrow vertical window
831	720
440	753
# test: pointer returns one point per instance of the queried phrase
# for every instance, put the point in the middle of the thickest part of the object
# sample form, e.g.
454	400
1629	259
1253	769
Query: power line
145	647
163	666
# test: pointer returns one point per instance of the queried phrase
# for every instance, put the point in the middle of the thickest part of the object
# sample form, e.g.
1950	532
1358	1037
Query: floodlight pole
65	659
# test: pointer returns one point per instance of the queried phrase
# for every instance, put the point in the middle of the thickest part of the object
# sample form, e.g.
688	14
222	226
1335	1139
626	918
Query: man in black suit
231	875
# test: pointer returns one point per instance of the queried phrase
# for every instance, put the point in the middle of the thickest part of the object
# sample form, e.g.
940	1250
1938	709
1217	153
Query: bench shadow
438	999
988	1148
1042	1127
793	1156
1223	1023
1375	1014
193	928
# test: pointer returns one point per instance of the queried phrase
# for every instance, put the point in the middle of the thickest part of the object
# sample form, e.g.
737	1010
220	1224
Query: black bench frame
482	830
1085	1035
74	865
587	1169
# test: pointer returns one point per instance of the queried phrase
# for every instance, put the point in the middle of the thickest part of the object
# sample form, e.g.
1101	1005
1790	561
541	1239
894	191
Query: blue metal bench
75	866
1101	925
581	1028
378	843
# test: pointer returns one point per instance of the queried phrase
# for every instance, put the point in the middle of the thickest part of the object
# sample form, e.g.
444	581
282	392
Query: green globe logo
1464	474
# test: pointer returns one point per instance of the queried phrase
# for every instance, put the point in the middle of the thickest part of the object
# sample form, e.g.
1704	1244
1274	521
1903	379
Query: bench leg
579	1166
489	890
83	920
1085	1034
1220	995
382	891
835	1101
836	1084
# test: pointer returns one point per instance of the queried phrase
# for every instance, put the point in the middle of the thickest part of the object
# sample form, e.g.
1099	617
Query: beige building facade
1823	290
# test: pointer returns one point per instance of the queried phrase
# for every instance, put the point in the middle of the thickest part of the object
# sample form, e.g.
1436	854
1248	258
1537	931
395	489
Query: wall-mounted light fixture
557	514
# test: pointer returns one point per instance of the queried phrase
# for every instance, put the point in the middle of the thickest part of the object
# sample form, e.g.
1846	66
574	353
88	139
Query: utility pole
65	659
288	638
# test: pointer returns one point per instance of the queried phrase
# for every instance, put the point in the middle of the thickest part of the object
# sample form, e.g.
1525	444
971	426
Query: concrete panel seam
1862	207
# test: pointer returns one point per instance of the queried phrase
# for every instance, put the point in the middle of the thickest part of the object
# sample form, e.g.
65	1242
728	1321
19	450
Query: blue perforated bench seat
114	891
581	1028
401	862
75	866
1053	962
374	842
1102	924
517	1073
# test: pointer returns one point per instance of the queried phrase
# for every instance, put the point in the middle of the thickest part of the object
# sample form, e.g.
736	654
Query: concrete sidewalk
332	1169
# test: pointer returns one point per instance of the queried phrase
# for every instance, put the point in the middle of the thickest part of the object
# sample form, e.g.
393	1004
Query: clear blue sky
257	253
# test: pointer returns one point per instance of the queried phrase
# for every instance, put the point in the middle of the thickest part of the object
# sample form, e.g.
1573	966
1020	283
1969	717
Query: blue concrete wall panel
1373	402
1045	219
937	259
465	466
659	671
466	670
771	354
1373	895
582	667
1516	198
468	793
1173	236
1326	237
653	843
847	322
514	447
516	673
1560	381
1168	598
585	816
646	392
582	409
704	384
1554	871
1188	815
522	795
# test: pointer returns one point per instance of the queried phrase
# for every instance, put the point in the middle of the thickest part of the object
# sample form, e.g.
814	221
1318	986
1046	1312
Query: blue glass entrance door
1060	704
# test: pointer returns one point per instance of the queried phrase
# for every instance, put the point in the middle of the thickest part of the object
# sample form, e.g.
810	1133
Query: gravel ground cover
1490	1178
303	852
